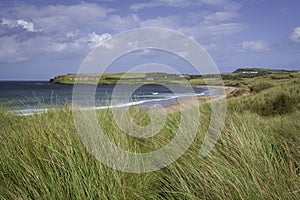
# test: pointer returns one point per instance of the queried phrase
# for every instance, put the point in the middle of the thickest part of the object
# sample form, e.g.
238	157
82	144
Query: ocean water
26	97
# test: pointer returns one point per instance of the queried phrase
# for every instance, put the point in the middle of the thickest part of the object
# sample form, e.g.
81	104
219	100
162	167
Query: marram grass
256	157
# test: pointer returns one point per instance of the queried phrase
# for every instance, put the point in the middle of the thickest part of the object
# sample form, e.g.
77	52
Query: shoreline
189	102
171	108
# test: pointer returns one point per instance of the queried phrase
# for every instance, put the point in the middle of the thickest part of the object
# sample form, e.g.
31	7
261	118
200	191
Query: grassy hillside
235	78
128	78
263	70
256	157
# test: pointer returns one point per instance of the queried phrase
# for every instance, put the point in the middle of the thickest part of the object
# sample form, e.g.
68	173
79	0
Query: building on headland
249	72
184	76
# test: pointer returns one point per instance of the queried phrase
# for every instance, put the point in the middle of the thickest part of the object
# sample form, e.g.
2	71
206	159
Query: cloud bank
69	30
295	36
257	46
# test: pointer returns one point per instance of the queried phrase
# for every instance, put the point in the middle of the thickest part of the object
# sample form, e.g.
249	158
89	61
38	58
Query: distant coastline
230	79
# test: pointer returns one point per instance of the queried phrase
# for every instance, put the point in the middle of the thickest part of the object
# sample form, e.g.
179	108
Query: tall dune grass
257	157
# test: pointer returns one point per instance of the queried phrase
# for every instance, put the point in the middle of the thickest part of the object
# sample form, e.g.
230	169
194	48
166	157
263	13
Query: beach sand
196	101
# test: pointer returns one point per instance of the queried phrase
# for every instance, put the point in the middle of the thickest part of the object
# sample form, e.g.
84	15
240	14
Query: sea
28	97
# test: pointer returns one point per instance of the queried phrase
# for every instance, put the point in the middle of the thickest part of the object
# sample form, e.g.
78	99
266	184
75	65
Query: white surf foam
32	111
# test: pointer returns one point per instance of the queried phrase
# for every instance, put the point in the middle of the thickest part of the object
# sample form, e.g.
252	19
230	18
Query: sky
42	39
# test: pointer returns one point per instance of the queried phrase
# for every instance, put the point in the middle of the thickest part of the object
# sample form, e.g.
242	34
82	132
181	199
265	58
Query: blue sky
41	39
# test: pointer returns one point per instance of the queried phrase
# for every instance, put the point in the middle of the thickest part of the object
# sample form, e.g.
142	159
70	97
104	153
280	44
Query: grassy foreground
257	156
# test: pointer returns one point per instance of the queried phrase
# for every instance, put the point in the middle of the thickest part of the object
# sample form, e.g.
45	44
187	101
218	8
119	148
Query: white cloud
60	19
56	47
29	26
96	40
82	43
139	6
63	30
8	22
295	36
166	22
225	29
212	31
257	46
68	30
220	16
210	27
80	12
13	51
167	3
21	23
227	4
117	23
72	34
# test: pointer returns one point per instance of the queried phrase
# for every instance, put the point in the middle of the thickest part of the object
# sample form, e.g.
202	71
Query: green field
124	78
231	79
256	157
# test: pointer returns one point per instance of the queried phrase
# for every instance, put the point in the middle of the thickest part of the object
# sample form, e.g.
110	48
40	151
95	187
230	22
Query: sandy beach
190	102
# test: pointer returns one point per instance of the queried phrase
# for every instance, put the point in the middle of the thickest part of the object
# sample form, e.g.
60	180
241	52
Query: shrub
277	104
283	103
239	92
260	86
